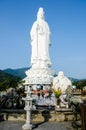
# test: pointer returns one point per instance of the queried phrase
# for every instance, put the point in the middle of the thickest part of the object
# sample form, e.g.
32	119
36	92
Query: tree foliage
8	81
80	84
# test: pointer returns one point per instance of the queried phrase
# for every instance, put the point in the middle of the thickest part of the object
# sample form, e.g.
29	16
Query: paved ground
15	125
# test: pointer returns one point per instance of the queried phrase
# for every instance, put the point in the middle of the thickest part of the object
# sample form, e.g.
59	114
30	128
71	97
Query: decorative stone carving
39	76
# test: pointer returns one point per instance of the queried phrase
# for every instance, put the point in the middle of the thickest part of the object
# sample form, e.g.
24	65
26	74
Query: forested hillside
8	80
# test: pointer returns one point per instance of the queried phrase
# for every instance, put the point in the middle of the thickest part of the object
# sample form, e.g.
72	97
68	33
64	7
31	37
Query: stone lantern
28	107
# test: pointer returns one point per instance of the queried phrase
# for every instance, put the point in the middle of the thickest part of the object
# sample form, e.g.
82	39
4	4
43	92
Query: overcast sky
67	22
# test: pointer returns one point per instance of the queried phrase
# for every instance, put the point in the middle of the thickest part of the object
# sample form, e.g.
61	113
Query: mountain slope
17	72
5	76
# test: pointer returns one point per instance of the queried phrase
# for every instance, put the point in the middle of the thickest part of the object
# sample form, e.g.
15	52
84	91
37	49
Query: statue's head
61	74
40	14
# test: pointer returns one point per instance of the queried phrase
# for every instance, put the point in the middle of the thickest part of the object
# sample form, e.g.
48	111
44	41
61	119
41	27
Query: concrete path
15	125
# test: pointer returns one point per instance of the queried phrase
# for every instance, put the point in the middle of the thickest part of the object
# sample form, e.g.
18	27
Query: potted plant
57	93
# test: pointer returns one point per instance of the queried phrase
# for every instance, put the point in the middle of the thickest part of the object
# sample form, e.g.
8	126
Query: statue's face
40	13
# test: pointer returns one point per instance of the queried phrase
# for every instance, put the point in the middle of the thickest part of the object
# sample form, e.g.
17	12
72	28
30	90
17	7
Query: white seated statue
40	42
61	82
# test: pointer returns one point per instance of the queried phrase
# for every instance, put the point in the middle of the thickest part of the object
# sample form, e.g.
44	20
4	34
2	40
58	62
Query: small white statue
61	82
40	41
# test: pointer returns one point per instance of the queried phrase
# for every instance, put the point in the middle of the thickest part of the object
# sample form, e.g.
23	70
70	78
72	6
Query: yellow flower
57	92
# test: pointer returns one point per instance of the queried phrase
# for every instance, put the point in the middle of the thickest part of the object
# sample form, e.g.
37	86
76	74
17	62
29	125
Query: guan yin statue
40	42
40	72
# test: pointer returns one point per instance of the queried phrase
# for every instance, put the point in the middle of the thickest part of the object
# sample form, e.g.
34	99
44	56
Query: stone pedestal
27	126
39	76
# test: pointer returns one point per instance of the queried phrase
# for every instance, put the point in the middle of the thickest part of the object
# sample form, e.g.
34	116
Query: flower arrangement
57	92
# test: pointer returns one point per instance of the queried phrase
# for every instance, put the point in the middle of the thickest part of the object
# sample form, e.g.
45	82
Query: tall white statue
40	42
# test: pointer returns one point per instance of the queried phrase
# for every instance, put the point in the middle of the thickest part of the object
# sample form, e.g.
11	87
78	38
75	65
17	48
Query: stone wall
58	115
